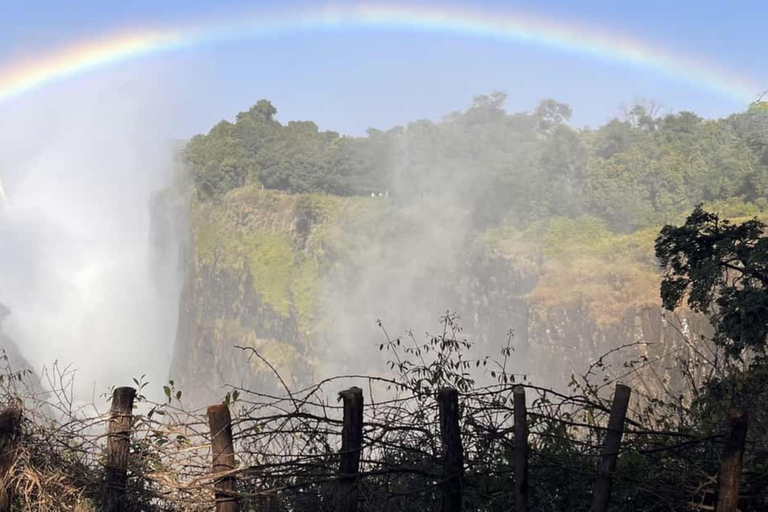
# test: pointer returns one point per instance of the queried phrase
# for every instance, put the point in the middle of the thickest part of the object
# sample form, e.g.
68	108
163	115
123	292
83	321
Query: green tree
519	167
615	137
551	114
720	269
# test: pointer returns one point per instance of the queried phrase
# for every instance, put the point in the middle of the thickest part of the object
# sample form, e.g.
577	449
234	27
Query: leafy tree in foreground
721	269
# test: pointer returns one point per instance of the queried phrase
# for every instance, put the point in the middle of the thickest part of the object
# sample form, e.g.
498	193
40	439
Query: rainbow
17	78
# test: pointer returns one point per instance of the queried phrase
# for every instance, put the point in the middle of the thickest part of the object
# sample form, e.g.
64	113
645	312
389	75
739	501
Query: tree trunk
731	462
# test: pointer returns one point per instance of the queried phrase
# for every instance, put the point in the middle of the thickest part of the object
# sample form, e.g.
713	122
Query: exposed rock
302	279
13	363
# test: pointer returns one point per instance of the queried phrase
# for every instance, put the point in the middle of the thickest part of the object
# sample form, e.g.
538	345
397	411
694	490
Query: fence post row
351	449
453	453
731	462
10	421
521	451
223	455
118	447
611	447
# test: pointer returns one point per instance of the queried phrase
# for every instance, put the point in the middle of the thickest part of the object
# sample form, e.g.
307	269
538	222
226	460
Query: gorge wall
13	364
303	280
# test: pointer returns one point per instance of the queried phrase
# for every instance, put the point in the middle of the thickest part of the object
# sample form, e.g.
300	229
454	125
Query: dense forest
642	170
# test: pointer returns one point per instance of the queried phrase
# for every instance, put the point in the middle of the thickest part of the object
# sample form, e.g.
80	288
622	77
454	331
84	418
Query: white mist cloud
407	265
79	166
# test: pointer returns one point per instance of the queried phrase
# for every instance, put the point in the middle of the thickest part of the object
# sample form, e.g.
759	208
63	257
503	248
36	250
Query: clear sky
348	79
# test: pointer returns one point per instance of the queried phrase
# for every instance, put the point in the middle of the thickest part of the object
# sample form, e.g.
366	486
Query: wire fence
427	438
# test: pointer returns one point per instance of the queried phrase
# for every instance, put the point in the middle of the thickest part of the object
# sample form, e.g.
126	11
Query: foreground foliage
288	444
720	269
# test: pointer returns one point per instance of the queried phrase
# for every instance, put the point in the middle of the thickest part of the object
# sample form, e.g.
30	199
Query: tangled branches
288	444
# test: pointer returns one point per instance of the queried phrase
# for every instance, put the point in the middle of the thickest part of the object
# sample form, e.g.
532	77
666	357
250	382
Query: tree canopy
720	269
644	169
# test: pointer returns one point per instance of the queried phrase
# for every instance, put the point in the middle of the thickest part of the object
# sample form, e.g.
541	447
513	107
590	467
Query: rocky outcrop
302	280
220	310
17	373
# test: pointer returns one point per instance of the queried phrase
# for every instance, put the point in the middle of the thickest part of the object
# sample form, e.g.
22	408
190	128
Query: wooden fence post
731	462
521	451
10	421
611	447
351	449
223	454
453	453
118	448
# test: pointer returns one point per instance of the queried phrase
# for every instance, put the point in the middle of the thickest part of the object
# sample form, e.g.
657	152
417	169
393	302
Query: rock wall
13	362
281	275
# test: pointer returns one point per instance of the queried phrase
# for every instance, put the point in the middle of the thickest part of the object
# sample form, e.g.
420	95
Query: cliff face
13	362
251	281
302	280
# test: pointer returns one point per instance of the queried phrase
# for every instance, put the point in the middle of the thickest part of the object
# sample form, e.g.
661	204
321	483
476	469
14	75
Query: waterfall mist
415	259
78	268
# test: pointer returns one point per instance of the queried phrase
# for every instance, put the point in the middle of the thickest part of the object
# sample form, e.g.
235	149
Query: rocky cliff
303	279
16	373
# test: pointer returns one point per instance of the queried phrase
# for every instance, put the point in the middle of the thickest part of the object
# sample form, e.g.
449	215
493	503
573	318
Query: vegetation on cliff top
643	170
579	208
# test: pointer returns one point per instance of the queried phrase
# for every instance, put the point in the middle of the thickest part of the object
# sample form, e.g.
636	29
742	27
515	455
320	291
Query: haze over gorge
374	255
301	240
297	241
79	274
130	247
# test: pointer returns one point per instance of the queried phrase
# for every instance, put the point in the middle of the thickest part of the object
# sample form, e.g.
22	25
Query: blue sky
351	79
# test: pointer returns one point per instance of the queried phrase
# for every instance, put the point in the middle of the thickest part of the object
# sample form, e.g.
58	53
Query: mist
407	263
414	262
78	269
